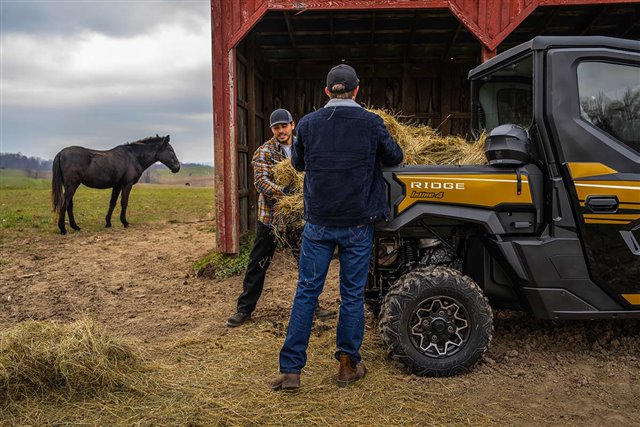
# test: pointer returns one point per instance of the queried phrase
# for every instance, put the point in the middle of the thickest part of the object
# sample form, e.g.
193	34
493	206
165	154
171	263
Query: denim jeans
318	243
264	247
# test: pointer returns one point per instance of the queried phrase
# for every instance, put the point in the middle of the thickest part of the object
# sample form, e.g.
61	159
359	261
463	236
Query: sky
100	73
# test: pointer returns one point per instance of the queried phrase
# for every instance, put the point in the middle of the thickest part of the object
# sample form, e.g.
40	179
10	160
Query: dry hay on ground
224	381
422	145
78	358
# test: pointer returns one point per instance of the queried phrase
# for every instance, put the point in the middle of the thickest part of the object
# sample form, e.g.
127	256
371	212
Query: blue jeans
318	243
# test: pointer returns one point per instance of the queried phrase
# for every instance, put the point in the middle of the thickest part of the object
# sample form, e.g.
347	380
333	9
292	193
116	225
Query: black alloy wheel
436	322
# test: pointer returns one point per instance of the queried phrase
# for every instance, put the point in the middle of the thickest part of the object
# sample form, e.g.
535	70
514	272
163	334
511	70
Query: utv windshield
505	97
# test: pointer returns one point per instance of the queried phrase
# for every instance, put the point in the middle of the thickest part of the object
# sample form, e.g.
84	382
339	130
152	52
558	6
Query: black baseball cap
280	116
343	74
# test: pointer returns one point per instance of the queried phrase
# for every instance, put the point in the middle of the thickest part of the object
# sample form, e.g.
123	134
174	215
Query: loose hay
286	175
422	145
233	372
78	358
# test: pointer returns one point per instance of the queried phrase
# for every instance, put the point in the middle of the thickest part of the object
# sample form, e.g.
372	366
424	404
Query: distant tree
20	161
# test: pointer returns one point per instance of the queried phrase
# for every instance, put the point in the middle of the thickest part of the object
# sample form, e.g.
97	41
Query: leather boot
238	319
324	314
349	374
285	382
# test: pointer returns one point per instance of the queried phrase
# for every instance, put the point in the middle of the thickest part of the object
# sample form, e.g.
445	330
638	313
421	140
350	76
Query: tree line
22	162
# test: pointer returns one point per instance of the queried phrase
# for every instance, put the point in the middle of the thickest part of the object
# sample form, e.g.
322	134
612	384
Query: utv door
593	108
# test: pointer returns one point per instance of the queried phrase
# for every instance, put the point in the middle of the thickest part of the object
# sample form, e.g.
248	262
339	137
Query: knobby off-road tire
436	322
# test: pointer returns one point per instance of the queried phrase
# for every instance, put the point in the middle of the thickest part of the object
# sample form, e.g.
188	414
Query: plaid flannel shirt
263	162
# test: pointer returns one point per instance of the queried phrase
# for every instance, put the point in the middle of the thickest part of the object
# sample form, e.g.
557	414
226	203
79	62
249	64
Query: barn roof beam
332	35
546	21
292	38
412	32
372	37
595	18
447	52
635	22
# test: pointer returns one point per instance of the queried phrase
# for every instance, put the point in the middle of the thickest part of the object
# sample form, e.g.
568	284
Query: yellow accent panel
632	298
581	170
628	206
605	221
627	191
486	190
613	216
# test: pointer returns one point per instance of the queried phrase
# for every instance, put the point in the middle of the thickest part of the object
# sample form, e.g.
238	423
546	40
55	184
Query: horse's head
167	156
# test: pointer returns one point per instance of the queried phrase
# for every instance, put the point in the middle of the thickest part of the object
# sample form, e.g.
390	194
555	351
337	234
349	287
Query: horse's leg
61	215
115	192
69	191
124	201
72	220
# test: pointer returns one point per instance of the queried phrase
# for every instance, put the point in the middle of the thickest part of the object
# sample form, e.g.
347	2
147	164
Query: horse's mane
149	140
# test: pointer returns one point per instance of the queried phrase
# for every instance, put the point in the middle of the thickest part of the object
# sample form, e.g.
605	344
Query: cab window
610	99
506	96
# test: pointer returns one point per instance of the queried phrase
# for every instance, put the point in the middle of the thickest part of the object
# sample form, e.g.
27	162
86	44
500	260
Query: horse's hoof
108	225
125	225
63	232
76	228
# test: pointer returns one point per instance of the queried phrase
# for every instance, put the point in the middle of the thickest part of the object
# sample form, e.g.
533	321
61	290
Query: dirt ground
139	282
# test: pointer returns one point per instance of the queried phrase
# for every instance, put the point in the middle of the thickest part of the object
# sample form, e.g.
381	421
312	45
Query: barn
412	56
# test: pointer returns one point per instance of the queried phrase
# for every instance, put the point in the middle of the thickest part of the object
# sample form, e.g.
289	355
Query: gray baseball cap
280	116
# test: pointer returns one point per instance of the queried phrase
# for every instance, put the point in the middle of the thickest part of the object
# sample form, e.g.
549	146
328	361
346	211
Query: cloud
115	18
91	85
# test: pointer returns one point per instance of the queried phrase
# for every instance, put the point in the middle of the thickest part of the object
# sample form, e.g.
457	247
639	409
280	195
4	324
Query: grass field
25	204
190	174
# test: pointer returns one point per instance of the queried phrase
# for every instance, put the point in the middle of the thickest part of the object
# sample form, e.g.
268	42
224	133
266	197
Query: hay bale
422	145
38	357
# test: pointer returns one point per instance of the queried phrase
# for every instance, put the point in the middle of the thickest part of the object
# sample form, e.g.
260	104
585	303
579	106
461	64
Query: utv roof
547	42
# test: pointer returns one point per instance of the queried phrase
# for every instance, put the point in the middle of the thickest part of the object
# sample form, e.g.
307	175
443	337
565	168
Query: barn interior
413	62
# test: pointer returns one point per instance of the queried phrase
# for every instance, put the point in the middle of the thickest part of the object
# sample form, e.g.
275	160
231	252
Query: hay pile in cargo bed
422	145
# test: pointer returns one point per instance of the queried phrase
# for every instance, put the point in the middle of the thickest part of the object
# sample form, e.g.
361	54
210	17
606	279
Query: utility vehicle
550	226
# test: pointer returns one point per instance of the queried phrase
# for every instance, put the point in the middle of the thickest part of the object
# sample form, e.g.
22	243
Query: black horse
118	168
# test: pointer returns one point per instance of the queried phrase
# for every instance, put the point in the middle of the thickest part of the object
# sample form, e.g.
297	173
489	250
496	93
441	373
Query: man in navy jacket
341	148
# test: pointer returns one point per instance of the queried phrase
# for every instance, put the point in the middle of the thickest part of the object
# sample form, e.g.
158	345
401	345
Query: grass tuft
217	265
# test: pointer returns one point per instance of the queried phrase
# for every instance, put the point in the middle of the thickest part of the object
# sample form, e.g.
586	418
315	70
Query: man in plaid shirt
264	159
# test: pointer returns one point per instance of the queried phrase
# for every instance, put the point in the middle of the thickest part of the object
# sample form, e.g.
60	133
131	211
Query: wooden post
487	54
408	92
227	221
251	124
445	99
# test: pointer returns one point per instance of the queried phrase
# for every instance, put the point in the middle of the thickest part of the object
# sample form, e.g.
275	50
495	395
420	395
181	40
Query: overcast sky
101	73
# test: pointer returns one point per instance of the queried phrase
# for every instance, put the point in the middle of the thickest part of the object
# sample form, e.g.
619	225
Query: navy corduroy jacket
341	148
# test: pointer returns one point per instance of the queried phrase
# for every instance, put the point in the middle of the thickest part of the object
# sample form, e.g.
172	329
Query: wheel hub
439	327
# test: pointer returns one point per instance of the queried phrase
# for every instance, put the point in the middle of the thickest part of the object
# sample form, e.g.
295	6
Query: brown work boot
348	374
285	382
324	314
238	319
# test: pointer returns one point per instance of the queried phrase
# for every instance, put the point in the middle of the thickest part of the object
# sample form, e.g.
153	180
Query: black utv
550	226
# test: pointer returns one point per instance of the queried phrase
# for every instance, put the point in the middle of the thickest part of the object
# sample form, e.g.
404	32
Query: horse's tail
57	201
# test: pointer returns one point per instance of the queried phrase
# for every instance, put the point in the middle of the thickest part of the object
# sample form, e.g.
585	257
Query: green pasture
190	170
25	205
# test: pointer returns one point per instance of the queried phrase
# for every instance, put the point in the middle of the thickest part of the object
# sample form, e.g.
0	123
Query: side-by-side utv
550	226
